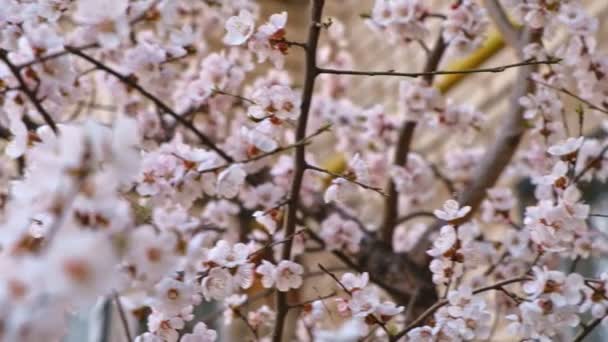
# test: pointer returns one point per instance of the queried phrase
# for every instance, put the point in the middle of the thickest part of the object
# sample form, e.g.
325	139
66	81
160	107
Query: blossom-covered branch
131	82
30	93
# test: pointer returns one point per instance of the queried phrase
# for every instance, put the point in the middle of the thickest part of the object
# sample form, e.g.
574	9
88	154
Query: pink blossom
452	211
239	28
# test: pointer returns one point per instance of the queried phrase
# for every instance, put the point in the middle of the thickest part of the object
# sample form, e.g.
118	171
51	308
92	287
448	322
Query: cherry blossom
341	234
286	275
267	42
218	284
200	333
567	148
465	25
452	211
445	241
230	180
239	28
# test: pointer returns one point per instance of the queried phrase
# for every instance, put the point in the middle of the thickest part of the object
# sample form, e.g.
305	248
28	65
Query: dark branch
31	94
438	72
587	330
123	316
431	310
160	104
573	95
337	175
404	142
299	158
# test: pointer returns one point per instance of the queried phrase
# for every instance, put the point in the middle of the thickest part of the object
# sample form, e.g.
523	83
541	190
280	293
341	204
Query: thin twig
449	185
240	315
431	310
289	238
160	104
413	215
590	164
372	316
571	94
393	291
31	95
55	55
310	301
348	179
123	316
587	330
242	98
278	150
438	72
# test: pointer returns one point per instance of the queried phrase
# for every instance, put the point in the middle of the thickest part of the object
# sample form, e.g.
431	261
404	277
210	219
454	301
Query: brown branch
438	72
498	155
573	95
431	310
274	243
587	330
253	330
310	301
289	43
335	278
299	158
391	290
304	141
346	178
590	165
406	133
123	316
413	215
449	185
129	81
55	55
239	97
372	316
250	300
31	94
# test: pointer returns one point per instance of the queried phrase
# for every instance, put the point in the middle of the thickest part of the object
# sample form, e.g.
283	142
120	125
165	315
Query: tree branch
498	155
337	175
413	215
431	310
31	94
160	104
438	72
372	316
278	150
406	133
299	158
123	316
587	330
55	55
573	95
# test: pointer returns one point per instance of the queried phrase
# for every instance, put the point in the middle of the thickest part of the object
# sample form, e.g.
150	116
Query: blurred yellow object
493	44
